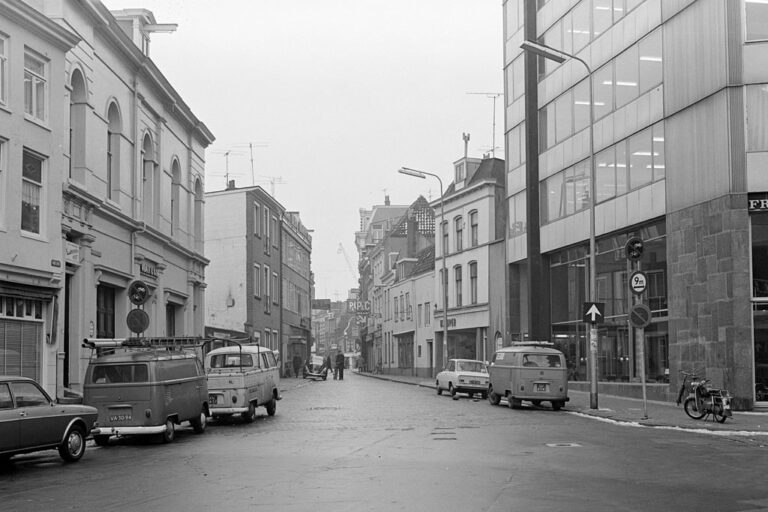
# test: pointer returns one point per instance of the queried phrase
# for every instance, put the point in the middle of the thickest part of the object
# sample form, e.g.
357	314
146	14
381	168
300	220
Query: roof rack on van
171	343
533	343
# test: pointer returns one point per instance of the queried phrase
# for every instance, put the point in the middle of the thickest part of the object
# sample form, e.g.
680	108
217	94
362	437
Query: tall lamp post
444	283
560	56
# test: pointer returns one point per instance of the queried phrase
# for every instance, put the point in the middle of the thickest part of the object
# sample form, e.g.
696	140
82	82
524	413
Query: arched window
199	214
175	195
148	179
77	116
114	128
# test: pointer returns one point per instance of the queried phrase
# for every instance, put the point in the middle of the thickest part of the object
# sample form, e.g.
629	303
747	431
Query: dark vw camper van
533	371
145	387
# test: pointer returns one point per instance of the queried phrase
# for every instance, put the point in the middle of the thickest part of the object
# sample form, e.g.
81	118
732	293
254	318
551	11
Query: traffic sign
634	248
138	293
640	316
593	312
638	282
137	320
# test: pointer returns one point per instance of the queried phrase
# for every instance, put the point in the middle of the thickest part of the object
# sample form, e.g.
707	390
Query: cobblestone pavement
632	411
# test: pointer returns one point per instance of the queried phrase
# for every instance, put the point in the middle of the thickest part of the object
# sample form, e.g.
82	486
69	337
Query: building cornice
35	21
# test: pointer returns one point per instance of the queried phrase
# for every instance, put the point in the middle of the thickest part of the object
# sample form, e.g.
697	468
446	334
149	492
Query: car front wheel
439	389
73	447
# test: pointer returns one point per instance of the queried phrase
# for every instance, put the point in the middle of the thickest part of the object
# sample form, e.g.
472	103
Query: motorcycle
703	400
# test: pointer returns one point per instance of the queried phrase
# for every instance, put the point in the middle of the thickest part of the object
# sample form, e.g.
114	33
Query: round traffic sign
137	320
638	282
640	316
138	293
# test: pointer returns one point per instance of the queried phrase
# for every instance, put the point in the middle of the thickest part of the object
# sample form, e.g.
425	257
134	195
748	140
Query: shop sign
71	253
757	202
451	322
148	269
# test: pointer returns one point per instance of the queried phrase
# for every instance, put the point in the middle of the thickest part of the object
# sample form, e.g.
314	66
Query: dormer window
461	171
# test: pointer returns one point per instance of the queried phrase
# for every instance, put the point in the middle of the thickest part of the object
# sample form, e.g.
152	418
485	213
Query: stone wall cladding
709	295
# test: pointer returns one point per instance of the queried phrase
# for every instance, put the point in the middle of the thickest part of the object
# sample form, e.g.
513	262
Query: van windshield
542	360
231	360
471	366
114	373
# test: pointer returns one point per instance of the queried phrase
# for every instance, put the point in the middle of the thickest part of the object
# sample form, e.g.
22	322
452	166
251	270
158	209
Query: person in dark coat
339	366
296	364
327	365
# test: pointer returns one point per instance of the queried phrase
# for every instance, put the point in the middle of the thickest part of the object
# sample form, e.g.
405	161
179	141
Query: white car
463	376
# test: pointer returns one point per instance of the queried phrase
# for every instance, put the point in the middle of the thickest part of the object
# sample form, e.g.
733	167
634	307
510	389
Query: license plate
120	417
542	388
474	382
212	399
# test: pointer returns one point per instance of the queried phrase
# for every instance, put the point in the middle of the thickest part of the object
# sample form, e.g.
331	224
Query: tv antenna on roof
493	95
250	146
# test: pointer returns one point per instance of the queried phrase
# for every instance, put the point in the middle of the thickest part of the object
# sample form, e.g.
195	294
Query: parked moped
702	400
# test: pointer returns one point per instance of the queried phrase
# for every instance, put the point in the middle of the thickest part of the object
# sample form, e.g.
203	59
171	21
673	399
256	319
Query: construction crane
352	271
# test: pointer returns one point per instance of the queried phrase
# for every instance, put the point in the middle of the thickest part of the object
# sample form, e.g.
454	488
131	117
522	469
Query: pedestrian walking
296	364
339	366
327	364
360	364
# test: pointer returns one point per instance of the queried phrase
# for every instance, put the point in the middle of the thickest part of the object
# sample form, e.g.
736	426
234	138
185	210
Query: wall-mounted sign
72	253
757	202
148	269
451	322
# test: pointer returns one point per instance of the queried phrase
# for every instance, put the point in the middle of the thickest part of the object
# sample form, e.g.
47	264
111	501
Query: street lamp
560	56
444	283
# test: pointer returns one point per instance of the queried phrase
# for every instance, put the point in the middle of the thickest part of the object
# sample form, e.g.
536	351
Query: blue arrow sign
593	312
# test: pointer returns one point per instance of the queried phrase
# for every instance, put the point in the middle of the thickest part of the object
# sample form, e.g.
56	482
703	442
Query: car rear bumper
221	411
127	431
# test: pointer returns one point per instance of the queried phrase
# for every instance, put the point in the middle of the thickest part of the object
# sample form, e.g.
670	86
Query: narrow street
367	444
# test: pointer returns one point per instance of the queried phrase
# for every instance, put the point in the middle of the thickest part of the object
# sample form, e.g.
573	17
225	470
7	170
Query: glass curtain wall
618	352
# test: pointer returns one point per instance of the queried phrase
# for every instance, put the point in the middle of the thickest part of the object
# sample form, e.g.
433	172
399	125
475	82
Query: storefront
758	209
618	352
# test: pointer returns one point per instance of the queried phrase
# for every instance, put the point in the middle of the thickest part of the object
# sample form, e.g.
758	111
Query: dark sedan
31	421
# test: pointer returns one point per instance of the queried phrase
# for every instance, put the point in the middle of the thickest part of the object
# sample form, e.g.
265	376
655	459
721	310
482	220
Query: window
257	280
275	288
402	308
175	196
418	315
445	237
650	62
105	311
397	309
427	313
457	278
113	151
605	174
458	222
149	175
2	183
473	282
408	310
31	192
517	214
3	69
265	229
266	284
275	232
757	20
28	395
473	228
35	87
256	220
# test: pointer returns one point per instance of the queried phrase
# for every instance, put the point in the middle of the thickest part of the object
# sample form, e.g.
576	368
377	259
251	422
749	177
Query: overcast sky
335	96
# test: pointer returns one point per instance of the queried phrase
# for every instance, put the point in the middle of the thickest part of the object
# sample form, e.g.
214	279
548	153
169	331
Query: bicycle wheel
691	410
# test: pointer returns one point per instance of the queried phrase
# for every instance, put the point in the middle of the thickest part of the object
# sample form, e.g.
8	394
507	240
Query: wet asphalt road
369	445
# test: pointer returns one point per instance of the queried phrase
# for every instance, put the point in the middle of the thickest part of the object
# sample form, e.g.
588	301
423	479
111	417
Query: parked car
463	376
532	371
142	389
240	379
315	368
30	421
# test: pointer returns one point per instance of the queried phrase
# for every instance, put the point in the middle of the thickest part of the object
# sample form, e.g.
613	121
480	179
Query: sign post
639	314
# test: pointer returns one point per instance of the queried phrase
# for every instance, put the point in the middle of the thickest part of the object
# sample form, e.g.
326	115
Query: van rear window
542	360
114	373
231	361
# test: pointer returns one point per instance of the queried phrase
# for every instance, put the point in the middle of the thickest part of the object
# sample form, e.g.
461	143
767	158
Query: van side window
270	357
231	361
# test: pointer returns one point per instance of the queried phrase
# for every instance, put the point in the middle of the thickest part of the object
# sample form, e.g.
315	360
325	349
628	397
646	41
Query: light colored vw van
240	379
532	371
140	389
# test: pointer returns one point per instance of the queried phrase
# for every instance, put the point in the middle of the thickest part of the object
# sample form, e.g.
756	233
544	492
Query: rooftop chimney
386	200
231	185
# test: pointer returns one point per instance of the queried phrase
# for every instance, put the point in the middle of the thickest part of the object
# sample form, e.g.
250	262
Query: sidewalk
630	411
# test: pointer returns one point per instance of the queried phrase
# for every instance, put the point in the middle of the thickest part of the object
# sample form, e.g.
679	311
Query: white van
240	379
